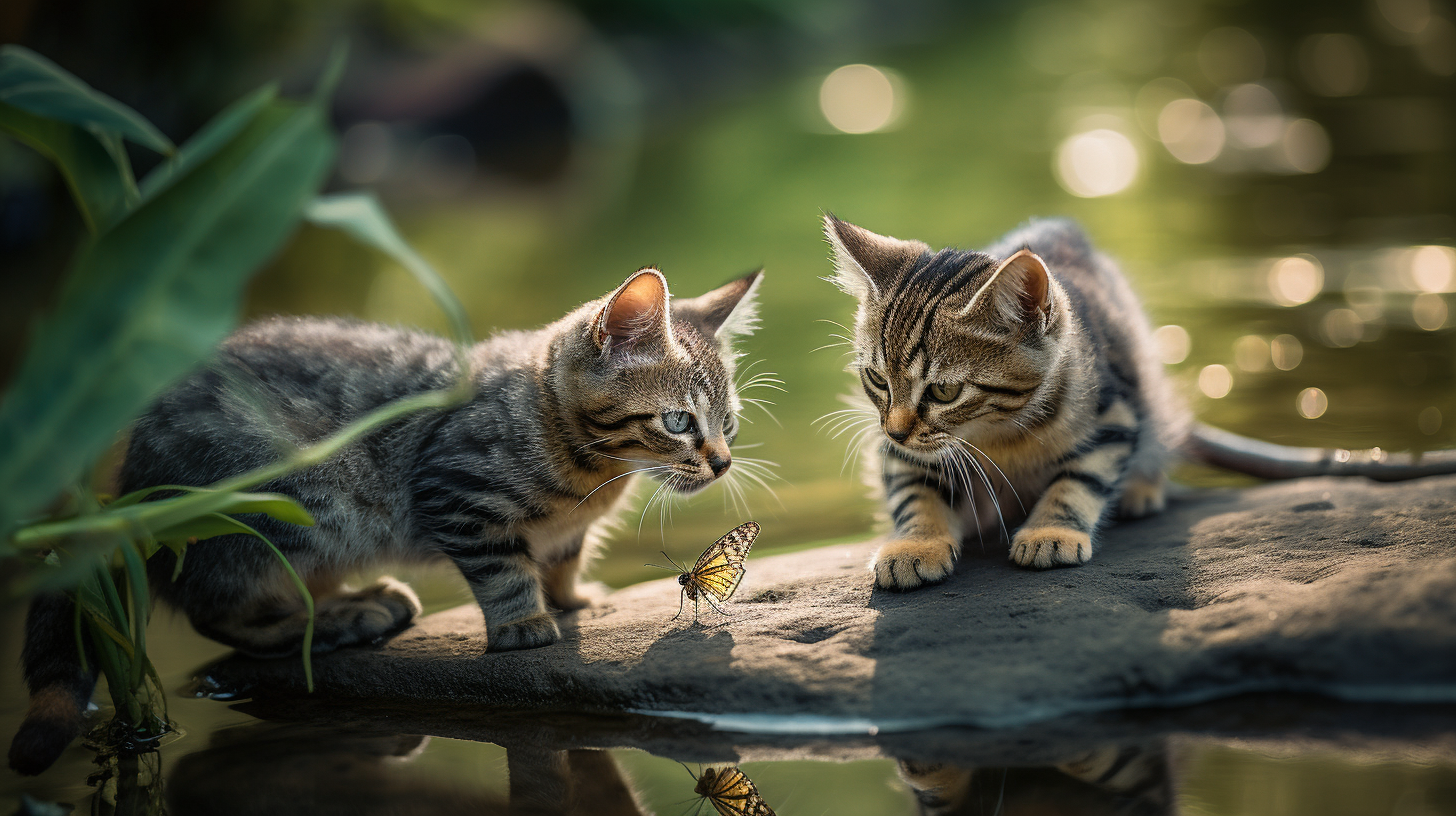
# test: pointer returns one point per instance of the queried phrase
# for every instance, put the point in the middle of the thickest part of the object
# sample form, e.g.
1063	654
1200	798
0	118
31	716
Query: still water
1276	185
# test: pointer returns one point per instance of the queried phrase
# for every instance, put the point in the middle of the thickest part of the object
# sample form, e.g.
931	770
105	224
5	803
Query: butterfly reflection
729	791
718	571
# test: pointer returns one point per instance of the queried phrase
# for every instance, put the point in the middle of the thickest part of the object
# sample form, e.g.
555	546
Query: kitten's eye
677	421
875	379
945	392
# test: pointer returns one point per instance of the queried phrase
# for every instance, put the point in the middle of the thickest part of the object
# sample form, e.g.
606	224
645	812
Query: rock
1339	587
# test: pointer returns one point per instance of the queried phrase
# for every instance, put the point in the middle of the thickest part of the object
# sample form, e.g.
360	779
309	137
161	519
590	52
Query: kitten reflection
295	769
1127	780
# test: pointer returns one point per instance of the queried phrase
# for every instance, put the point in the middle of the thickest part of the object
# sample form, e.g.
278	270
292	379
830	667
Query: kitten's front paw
1142	497
1043	547
905	565
527	633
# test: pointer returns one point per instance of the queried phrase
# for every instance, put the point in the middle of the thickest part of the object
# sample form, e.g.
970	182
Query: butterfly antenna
675	566
689	770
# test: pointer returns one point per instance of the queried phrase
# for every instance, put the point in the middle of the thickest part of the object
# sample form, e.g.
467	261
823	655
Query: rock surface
1341	587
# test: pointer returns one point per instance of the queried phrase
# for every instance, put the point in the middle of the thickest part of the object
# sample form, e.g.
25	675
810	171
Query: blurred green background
1278	179
539	152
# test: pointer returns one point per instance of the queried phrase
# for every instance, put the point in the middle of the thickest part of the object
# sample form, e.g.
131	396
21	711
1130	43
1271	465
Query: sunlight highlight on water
1096	163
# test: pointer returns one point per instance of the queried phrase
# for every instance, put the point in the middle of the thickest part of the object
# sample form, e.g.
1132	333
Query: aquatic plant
153	287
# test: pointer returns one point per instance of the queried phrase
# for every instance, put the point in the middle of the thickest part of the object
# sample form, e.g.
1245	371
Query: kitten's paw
904	565
1043	547
580	596
1142	497
397	597
527	633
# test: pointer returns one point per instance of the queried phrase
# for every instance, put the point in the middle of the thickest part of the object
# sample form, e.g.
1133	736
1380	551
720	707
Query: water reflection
305	769
1132	780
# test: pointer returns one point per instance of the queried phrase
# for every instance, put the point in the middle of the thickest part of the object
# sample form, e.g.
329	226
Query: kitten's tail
60	688
1267	460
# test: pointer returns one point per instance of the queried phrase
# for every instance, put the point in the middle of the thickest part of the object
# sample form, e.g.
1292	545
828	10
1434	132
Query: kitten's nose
899	422
719	464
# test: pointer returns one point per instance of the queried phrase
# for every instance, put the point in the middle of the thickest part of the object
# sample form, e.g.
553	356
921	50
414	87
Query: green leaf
205	143
100	183
360	215
148	300
34	84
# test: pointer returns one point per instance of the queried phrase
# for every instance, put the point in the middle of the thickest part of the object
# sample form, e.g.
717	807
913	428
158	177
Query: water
1305	308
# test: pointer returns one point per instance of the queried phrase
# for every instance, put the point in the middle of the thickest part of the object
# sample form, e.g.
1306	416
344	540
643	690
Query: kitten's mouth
683	483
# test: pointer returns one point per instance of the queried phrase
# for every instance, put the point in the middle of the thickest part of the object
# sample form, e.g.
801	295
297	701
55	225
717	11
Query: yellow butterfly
718	571
730	792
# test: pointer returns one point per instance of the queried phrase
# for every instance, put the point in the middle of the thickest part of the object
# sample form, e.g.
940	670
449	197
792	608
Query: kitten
1014	385
1020	385
507	486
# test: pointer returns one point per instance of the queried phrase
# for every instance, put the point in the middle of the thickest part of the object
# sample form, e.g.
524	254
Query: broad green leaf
34	84
360	215
148	300
102	185
206	142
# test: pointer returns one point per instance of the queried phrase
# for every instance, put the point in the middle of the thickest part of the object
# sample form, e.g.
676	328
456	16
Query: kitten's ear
727	312
1019	291
865	264
637	310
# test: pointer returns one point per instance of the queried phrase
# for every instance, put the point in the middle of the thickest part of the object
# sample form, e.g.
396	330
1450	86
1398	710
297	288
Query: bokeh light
1215	381
1436	47
1334	64
1429	311
1253	115
1295	280
1433	268
1341	328
1096	163
366	152
1230	55
1191	131
1251	353
1429	420
1312	403
859	99
1305	146
1409	16
1173	344
1286	352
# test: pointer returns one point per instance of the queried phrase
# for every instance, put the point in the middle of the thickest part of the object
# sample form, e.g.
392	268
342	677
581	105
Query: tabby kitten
1013	385
507	486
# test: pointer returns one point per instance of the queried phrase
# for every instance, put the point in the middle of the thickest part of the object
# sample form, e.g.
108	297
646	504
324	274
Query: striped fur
1014	386
1127	780
511	486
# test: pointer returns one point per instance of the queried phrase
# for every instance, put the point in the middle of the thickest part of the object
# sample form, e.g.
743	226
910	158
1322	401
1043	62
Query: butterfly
729	791
718	570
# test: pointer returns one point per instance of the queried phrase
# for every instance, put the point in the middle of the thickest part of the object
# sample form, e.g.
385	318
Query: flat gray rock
1341	587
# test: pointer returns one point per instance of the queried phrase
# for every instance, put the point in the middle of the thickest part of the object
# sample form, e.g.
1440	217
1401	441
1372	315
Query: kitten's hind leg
509	591
273	624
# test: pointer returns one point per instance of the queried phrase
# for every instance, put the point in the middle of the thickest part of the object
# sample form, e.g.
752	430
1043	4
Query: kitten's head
649	377
949	343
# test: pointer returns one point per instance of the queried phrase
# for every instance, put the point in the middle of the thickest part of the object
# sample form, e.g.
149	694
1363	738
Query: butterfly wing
719	569
734	794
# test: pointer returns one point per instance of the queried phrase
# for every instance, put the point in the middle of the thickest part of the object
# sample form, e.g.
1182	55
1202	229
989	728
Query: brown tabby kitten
1015	385
508	486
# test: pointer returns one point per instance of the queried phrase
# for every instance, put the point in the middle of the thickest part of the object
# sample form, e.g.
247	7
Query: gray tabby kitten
508	486
1020	385
1014	385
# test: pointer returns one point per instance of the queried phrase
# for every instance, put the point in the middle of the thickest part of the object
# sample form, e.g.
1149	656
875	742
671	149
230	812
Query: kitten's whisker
990	489
615	478
1028	430
1000	471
